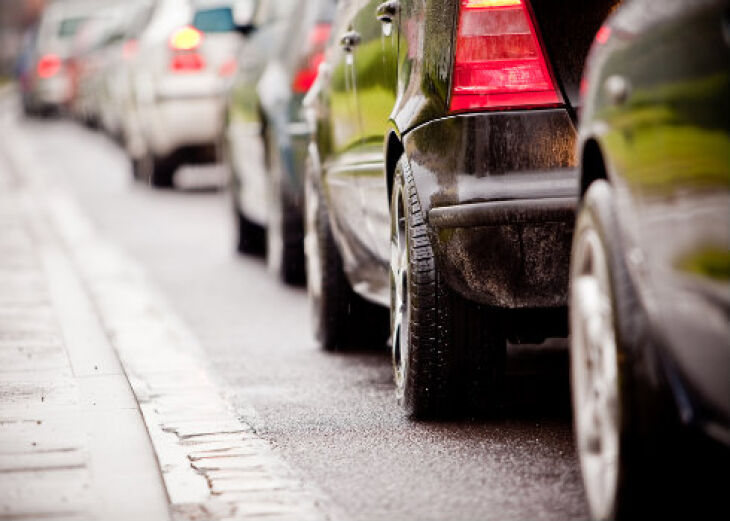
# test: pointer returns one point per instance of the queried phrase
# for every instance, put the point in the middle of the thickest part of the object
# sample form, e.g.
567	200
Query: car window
218	20
69	26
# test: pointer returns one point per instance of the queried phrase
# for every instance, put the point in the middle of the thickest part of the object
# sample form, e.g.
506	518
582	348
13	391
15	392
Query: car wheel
448	353
341	319
284	242
622	469
284	232
249	235
162	174
142	168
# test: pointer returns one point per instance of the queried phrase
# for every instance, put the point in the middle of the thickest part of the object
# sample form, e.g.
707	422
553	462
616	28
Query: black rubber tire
456	349
285	232
292	262
162	174
250	237
342	320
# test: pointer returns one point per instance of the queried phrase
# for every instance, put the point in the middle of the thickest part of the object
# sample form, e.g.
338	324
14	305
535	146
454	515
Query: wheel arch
394	149
592	165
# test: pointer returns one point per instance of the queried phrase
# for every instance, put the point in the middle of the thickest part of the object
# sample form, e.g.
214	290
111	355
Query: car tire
284	242
142	168
162	174
341	319
285	229
448	353
250	238
622	433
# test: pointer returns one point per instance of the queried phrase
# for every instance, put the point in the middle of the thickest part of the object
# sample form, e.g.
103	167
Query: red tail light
188	62
186	38
305	77
48	66
499	62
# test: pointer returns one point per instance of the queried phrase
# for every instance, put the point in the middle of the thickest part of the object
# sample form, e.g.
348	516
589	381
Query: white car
180	75
51	86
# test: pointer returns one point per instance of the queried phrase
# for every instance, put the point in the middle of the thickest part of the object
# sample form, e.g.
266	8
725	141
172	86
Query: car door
667	94
339	142
245	130
375	60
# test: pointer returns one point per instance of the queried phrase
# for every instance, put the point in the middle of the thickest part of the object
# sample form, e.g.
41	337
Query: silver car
180	75
51	85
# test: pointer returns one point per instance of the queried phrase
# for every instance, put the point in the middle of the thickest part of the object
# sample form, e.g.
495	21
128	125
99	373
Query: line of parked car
452	175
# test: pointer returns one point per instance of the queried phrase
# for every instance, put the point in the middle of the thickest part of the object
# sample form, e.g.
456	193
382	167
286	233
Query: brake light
48	66
304	78
186	38
499	62
188	62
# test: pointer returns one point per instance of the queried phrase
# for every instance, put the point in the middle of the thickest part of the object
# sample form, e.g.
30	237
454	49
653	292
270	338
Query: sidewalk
73	444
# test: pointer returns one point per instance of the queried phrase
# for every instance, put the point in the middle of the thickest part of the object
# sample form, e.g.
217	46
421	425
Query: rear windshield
218	20
68	27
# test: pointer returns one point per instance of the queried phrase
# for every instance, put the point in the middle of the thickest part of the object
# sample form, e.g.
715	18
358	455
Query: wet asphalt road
333	417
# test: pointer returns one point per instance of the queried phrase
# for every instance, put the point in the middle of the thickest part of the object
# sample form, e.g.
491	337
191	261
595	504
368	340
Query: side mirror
245	29
243	16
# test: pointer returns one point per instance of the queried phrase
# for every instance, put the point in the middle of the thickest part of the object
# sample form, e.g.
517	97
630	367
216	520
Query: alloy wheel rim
399	294
594	369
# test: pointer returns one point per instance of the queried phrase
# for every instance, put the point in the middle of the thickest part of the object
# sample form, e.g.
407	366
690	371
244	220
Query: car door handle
350	40
387	11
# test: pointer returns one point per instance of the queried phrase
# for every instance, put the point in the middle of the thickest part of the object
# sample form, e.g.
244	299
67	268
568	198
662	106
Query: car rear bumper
504	213
499	191
508	254
54	91
184	122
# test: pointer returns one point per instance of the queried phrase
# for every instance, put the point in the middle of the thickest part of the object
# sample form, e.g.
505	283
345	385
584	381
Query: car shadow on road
537	381
536	384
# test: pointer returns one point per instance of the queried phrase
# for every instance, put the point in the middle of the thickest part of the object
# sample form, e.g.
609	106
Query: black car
443	184
650	275
266	137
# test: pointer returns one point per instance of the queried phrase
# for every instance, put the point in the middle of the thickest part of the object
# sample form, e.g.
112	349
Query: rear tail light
48	66
499	62
188	62
184	43
305	76
186	38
